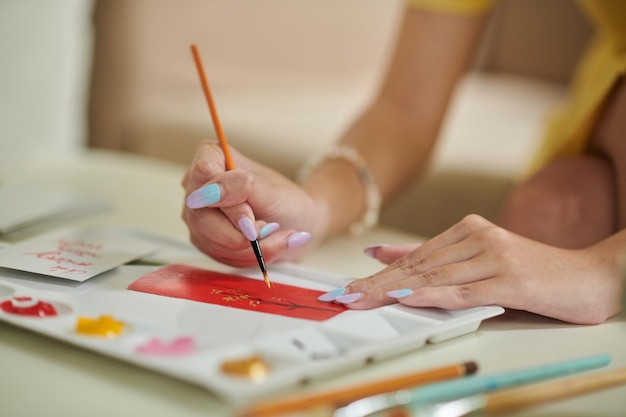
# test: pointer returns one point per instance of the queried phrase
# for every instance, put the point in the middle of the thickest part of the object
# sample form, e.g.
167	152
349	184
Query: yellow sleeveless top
602	64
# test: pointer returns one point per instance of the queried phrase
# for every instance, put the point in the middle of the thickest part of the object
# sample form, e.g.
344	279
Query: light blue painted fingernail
268	229
204	196
247	228
349	298
404	292
331	295
298	239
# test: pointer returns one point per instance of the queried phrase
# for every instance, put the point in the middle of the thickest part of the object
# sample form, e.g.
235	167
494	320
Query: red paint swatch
229	290
27	306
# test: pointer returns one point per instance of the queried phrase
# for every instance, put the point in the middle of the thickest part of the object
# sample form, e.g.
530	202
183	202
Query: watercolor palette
239	354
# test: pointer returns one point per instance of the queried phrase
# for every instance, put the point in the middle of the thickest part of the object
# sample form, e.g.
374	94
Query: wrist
341	184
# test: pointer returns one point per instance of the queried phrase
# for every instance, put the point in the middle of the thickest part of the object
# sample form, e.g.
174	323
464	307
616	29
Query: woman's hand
224	210
476	263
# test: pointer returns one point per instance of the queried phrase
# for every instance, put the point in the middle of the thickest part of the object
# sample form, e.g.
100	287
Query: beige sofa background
289	75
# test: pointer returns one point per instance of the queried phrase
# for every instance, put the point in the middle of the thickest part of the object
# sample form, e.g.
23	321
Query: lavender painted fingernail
401	293
349	298
247	228
331	295
204	196
371	250
298	239
268	229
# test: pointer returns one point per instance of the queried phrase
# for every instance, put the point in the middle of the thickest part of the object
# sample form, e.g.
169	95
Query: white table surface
44	377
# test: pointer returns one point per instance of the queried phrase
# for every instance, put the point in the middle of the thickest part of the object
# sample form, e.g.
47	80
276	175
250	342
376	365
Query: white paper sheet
76	255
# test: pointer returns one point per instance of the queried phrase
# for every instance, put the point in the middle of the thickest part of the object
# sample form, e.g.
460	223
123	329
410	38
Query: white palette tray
297	350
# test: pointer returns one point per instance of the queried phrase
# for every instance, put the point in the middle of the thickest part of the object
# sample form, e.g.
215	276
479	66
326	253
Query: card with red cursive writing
75	254
230	290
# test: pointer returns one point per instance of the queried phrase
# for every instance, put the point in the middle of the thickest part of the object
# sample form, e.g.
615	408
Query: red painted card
230	290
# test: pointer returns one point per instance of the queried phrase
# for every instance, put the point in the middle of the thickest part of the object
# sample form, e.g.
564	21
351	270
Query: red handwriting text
70	256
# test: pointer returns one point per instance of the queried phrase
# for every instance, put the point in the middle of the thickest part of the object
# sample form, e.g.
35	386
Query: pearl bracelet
372	195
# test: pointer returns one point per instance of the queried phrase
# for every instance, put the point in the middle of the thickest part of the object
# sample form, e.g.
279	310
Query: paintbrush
451	390
331	399
221	137
515	399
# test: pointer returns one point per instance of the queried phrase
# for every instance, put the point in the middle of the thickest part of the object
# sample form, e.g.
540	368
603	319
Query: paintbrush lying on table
515	399
324	402
443	392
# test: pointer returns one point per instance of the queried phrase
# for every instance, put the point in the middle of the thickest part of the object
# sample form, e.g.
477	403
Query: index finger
453	235
207	162
446	248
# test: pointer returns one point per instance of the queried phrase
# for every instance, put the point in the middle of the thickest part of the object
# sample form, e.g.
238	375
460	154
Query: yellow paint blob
103	326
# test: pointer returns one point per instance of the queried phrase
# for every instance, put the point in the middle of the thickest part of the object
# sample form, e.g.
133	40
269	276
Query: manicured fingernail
247	228
349	298
204	196
268	229
371	250
404	292
331	295
298	239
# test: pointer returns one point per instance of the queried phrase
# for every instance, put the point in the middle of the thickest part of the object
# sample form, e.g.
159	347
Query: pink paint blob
28	306
176	347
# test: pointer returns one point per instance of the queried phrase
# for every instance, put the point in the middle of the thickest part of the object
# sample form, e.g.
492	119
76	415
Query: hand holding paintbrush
245	224
223	203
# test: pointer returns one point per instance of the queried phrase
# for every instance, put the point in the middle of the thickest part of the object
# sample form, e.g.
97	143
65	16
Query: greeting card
75	254
236	291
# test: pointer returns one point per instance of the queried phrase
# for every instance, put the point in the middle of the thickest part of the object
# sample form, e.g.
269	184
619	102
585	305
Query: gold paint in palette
103	326
253	367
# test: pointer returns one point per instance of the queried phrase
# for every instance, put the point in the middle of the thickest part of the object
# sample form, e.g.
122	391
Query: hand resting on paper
477	263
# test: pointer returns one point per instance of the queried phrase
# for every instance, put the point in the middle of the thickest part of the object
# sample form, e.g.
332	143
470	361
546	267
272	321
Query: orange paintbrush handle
340	397
212	108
